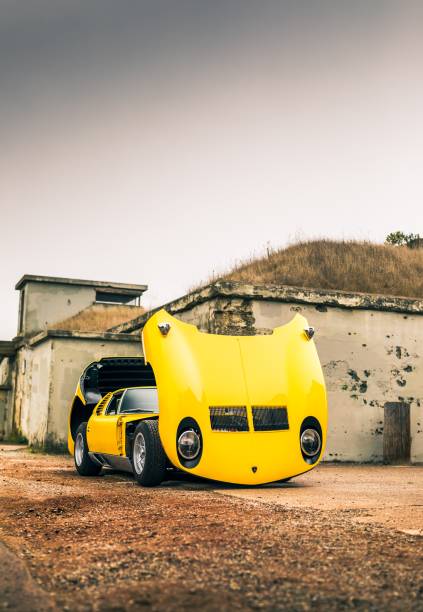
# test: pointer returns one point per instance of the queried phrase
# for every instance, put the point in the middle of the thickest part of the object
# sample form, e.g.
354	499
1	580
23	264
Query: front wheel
85	466
147	456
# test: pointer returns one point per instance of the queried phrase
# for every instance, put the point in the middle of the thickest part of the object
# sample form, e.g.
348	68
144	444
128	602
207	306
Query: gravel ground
104	543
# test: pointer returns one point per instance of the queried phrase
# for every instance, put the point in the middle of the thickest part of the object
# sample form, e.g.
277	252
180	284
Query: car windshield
139	400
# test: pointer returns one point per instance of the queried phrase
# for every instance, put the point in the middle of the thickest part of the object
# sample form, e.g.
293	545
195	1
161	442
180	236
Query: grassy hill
340	265
99	317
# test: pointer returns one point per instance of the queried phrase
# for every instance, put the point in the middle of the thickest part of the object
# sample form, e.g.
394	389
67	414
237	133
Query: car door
102	428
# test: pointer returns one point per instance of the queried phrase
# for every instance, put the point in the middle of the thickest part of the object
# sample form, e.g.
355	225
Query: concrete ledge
281	293
72	335
123	288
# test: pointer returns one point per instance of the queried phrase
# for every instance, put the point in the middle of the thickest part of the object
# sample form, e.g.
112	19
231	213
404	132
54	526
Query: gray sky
157	142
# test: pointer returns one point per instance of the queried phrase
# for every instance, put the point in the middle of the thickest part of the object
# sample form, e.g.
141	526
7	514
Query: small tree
414	241
401	239
396	238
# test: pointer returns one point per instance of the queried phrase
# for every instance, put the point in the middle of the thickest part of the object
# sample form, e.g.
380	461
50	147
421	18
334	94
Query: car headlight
189	444
311	442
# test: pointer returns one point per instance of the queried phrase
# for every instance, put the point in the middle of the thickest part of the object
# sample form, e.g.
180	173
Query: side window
139	400
113	406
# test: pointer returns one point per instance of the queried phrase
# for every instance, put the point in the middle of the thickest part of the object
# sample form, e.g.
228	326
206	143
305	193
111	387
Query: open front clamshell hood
246	396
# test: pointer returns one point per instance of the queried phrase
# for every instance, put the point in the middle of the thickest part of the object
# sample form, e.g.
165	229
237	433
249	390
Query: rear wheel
147	456
85	466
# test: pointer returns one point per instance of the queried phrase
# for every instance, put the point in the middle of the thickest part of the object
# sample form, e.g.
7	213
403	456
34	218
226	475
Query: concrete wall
32	388
370	347
6	371
3	411
45	304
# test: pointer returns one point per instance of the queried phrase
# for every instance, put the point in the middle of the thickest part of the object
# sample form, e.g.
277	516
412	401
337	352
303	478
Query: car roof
137	387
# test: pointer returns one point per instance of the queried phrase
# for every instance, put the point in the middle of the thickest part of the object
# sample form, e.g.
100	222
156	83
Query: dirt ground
339	538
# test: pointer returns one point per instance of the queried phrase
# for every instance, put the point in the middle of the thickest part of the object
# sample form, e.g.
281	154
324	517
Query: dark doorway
396	433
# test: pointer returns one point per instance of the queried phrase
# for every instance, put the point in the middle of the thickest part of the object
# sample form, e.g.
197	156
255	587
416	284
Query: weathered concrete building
39	369
370	347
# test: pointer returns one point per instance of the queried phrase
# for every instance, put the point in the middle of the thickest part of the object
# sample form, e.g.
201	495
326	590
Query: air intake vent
228	418
120	372
102	403
270	418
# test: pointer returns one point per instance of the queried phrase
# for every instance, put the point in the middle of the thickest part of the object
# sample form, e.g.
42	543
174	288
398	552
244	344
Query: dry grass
99	317
340	265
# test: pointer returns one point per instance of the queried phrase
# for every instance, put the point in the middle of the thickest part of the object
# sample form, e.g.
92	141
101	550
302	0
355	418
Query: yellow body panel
106	432
102	433
195	370
78	395
71	442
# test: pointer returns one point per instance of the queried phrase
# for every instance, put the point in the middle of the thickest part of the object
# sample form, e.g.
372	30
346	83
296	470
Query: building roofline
124	288
281	293
77	335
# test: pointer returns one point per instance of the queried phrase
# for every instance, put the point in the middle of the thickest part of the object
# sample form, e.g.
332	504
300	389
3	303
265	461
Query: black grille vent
228	418
119	373
112	373
270	418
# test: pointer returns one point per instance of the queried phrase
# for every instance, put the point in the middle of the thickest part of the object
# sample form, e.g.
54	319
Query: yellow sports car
240	409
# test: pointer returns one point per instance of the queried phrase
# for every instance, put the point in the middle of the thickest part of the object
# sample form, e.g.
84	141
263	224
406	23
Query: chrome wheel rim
139	453
79	449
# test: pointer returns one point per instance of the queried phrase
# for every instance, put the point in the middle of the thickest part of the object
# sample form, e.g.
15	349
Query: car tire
85	466
148	458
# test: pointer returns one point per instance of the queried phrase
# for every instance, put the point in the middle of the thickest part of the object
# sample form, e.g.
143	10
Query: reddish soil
103	543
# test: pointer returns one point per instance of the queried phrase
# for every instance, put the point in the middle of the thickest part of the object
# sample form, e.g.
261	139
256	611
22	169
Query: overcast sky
156	142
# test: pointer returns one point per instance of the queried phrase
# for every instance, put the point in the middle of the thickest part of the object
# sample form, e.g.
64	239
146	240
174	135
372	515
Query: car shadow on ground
184	481
181	479
176	480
